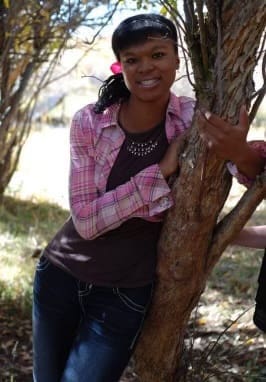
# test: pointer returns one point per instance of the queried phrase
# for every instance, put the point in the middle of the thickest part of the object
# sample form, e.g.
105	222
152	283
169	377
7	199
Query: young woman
94	281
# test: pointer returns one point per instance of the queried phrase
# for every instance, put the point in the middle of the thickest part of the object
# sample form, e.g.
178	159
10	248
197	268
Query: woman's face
149	69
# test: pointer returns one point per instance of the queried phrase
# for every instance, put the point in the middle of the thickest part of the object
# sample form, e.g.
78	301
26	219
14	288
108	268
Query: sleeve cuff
151	184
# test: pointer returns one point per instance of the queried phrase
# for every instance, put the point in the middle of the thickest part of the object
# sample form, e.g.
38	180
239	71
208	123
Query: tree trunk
32	36
191	241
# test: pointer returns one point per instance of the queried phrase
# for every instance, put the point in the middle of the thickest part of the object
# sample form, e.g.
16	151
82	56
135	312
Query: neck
138	116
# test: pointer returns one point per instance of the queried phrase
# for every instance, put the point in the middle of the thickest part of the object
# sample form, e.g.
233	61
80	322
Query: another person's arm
253	237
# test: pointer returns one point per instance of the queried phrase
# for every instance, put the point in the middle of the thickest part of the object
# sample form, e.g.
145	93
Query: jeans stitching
83	293
142	322
137	333
127	301
45	264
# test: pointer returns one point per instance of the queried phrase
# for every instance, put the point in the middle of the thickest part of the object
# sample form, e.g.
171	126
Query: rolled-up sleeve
260	147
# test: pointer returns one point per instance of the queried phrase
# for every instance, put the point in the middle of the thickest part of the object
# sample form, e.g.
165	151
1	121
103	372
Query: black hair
131	31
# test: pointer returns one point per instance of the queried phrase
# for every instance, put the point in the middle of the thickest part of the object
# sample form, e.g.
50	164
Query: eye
130	60
158	55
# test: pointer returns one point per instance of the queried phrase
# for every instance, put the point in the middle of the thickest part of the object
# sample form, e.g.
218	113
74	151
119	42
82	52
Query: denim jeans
83	332
259	317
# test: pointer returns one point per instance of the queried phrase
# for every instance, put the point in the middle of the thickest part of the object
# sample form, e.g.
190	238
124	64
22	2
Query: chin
153	97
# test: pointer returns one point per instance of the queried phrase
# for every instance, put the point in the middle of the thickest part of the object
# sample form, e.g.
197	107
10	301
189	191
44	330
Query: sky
123	11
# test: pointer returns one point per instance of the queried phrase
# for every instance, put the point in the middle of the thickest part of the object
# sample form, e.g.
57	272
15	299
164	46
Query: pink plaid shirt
95	141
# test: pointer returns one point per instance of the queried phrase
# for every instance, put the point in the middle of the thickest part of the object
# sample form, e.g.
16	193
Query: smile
149	83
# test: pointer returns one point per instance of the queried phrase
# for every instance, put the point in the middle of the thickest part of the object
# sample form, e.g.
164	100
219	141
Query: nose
145	65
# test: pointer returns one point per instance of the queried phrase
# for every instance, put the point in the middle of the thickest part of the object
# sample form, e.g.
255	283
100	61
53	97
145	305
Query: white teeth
148	82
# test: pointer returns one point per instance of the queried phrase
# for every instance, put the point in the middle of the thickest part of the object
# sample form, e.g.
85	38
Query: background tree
225	40
33	35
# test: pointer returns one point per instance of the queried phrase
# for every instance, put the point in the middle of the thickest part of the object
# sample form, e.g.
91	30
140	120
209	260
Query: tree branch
203	35
219	58
233	222
180	22
260	93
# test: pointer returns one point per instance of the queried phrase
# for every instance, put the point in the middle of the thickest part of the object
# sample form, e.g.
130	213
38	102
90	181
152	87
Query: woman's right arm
145	194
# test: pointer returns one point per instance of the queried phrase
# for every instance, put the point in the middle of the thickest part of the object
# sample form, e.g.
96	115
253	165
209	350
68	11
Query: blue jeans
82	332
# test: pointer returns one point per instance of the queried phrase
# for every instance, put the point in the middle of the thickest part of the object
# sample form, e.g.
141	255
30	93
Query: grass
239	352
25	228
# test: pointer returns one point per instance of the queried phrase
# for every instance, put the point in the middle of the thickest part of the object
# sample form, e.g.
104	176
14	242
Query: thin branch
180	22
219	58
261	50
94	77
203	35
260	94
105	23
214	345
186	60
191	21
233	222
181	77
91	42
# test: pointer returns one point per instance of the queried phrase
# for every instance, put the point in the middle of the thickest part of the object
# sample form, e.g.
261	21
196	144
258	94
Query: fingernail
207	114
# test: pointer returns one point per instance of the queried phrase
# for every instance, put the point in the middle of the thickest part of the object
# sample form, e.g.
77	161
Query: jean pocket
137	299
42	264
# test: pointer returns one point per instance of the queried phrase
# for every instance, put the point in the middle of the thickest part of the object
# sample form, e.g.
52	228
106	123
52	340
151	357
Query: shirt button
164	202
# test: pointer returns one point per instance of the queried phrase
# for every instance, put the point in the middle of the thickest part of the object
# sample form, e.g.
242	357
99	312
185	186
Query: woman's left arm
229	142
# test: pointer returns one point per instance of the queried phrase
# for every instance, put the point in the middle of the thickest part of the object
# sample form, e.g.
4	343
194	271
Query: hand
170	163
227	141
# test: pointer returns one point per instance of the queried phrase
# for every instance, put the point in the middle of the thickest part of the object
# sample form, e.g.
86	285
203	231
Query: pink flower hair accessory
116	67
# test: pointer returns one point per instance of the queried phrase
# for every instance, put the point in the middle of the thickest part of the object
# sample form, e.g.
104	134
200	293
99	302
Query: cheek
170	72
127	80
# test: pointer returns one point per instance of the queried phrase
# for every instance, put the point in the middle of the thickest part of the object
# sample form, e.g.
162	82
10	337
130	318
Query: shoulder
87	120
187	103
182	108
85	115
181	104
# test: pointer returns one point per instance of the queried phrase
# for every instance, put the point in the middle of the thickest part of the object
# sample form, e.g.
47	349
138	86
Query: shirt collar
173	105
110	115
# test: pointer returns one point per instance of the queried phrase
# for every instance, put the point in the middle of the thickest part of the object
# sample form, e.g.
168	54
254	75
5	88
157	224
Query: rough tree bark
223	46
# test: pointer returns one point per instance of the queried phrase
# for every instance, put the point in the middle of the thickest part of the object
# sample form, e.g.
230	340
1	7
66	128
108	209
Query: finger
243	119
201	122
215	122
211	133
207	139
